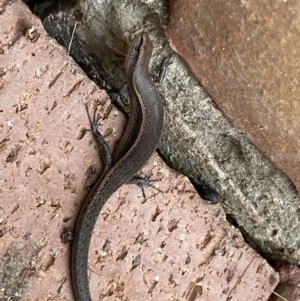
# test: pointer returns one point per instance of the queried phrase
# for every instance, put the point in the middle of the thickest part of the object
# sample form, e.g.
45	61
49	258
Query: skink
138	142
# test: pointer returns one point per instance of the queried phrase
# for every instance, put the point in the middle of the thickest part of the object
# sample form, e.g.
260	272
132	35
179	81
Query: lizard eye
138	45
137	48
